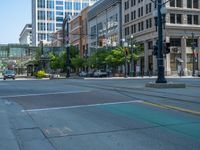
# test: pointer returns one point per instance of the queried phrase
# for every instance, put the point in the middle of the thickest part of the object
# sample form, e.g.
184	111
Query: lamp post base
161	76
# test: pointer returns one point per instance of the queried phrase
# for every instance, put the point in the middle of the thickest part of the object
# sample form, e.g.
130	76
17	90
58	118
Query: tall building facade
104	24
78	32
26	35
182	18
48	15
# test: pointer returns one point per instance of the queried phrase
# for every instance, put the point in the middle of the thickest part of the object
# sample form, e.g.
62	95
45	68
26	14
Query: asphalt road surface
99	115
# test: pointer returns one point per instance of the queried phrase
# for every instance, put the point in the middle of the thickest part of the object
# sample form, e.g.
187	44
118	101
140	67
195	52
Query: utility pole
160	60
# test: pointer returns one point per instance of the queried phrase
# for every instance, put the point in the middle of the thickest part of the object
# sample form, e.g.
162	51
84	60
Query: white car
83	74
100	73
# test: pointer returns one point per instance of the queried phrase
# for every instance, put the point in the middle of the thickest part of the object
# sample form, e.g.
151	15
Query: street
99	114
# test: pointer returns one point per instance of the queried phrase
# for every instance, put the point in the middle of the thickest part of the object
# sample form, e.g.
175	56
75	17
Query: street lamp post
125	45
66	35
193	60
132	48
160	63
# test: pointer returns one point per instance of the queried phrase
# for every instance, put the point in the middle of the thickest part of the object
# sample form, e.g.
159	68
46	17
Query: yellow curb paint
172	107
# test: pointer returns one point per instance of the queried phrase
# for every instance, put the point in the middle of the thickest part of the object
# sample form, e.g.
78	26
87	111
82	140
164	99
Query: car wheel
4	78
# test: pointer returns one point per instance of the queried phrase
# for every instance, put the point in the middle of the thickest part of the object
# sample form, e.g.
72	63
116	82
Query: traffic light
155	50
167	48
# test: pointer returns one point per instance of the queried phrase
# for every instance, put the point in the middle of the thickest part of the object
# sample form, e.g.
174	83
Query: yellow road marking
172	107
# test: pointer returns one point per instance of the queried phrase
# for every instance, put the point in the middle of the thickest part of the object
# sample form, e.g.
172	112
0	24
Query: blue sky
14	14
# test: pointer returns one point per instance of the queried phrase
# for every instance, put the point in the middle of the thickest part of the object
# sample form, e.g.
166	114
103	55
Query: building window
77	5
84	5
172	18
178	3
196	4
175	42
41	15
50	4
41	36
196	19
172	3
126	31
41	27
189	42
41	3
59	2
50	26
50	15
134	14
189	19
68	5
179	18
189	3
126	5
126	18
59	7
141	11
150	7
147	9
138	12
134	28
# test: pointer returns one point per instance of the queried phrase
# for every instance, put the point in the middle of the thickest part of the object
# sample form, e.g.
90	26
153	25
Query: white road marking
82	106
43	94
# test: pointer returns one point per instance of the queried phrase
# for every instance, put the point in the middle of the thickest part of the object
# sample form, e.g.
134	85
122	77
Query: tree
116	57
54	61
77	62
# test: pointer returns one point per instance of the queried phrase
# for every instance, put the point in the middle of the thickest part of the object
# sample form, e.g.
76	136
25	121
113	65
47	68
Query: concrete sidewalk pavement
18	130
7	137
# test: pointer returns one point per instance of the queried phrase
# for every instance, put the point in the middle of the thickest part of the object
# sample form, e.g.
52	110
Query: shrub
41	74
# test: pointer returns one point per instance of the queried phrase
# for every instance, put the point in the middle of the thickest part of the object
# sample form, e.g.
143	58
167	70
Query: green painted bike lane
166	119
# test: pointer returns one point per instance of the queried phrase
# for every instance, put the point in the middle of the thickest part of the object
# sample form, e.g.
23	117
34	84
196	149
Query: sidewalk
7	138
18	130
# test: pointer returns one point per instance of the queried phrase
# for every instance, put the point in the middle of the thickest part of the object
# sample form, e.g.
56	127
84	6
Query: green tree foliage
54	61
77	62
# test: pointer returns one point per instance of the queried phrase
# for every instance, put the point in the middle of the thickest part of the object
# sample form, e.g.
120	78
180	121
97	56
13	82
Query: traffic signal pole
160	60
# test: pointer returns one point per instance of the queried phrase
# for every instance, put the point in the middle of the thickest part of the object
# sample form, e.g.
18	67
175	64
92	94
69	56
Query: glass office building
48	15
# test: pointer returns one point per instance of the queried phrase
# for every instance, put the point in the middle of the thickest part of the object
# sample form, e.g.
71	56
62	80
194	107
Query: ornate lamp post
66	35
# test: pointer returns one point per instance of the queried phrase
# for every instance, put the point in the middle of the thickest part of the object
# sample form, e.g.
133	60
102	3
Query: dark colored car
9	74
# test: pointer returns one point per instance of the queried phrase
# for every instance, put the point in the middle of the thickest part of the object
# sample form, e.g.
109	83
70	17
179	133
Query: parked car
90	74
83	74
100	73
9	74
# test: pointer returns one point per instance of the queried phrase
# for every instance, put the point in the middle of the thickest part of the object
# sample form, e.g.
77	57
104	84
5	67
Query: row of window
42	26
178	19
133	3
138	27
59	5
43	36
190	3
50	15
140	13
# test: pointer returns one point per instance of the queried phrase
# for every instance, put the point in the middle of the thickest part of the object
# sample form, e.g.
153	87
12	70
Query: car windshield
9	72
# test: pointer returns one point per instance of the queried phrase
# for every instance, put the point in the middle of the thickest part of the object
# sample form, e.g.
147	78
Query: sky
14	15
